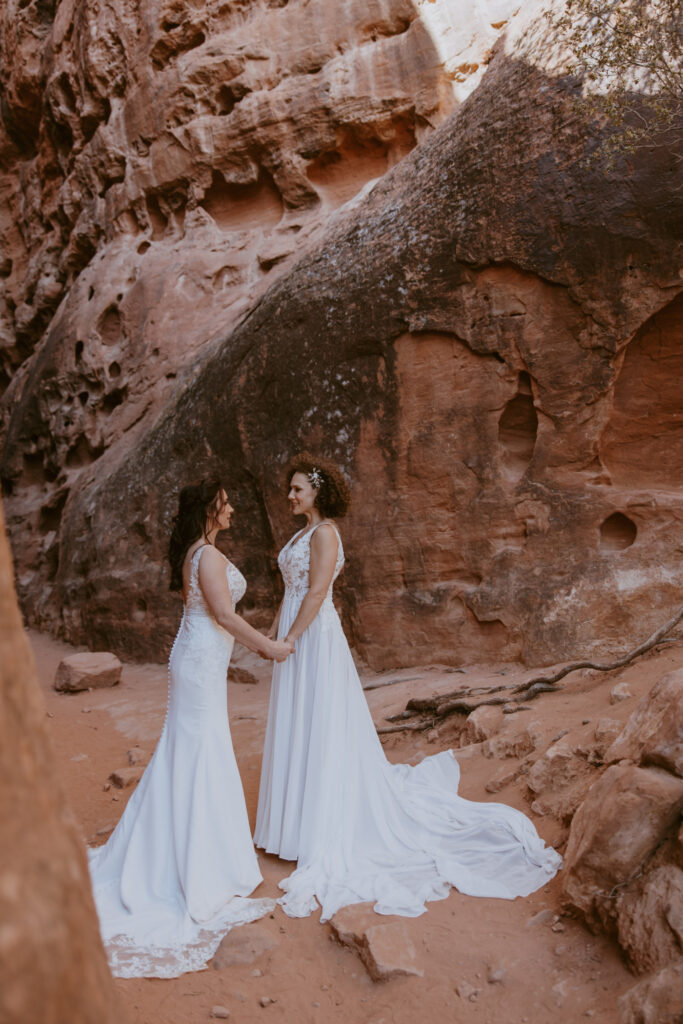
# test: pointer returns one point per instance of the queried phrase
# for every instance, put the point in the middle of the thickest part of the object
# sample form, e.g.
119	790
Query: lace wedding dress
360	827
173	876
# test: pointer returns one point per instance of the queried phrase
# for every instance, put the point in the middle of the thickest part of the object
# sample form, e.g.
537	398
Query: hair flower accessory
316	478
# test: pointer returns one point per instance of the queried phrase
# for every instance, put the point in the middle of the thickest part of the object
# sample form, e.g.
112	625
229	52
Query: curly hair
334	496
196	503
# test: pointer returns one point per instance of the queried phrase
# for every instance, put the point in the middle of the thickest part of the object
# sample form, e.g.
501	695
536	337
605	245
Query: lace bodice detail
295	560
195	602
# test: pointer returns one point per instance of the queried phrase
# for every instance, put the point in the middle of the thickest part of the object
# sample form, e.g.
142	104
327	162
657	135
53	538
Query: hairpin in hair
316	478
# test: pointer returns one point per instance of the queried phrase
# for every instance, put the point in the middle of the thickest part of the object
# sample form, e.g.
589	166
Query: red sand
550	970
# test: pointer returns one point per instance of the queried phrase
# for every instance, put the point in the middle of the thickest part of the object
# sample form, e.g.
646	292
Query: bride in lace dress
360	827
174	875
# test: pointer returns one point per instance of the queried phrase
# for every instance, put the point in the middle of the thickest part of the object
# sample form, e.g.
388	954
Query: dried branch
442	706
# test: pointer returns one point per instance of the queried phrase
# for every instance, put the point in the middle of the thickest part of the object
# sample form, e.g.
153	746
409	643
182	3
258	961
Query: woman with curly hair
360	827
173	877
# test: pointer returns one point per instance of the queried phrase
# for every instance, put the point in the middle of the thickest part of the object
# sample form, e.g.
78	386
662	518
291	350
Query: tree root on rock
442	706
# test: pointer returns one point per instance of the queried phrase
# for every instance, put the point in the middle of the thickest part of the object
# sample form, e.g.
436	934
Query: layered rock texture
53	966
203	268
624	861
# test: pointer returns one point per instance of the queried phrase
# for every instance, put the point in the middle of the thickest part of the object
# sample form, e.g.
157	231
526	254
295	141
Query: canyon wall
362	229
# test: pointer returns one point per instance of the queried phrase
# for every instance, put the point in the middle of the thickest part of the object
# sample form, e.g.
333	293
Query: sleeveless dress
171	880
361	828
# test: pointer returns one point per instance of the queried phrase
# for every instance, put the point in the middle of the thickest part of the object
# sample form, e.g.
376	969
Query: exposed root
459	702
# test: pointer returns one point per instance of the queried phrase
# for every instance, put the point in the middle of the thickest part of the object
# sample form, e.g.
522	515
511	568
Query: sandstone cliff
489	339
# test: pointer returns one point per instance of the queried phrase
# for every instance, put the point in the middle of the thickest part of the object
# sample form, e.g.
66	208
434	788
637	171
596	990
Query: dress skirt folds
361	828
174	875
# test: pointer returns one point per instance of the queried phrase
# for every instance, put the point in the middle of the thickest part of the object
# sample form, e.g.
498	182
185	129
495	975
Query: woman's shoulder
325	533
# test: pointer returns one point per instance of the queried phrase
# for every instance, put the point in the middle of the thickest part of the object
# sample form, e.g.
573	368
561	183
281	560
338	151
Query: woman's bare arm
324	546
214	585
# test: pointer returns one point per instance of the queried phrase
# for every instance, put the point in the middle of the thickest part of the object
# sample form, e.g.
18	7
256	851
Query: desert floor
552	966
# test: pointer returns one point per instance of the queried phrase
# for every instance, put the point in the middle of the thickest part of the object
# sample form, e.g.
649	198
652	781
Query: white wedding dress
173	876
360	827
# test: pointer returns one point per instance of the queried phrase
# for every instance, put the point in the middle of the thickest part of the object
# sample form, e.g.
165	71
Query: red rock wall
53	967
469	337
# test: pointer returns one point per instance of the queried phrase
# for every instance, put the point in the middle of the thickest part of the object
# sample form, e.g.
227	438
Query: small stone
86	711
585	721
256	973
50	714
221	1012
495	974
467	991
558	927
542	917
324	988
619	692
432	735
316	1005
80	757
589	1013
559	992
266	1001
106	787
125	777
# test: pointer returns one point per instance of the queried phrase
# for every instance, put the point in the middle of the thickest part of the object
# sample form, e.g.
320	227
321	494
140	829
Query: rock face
53	966
656	1000
88	671
624	858
476	339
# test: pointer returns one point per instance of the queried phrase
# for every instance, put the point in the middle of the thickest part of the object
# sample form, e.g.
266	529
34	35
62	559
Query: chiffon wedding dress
173	876
361	828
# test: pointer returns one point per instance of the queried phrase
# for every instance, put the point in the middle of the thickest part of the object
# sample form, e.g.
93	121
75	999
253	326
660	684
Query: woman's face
223	511
302	494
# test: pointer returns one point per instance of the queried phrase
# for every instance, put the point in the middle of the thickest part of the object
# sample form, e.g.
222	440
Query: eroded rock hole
114	369
157	219
51	514
518	427
114	399
617	532
236	207
109	326
78	351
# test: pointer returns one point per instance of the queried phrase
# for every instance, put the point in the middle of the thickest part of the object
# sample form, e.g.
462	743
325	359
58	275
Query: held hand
280	650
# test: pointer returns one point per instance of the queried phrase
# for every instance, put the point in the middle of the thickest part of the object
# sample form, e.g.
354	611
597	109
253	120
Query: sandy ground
552	968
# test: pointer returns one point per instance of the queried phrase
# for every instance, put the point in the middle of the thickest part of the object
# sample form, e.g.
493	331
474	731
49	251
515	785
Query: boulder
383	944
654	732
560	779
605	733
514	742
481	724
626	814
655	1000
92	670
650	919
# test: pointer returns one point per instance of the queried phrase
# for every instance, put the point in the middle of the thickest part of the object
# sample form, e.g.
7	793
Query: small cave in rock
51	514
180	38
243	207
157	219
114	369
339	174
82	453
143	247
642	444
517	429
33	469
109	326
78	350
617	532
113	399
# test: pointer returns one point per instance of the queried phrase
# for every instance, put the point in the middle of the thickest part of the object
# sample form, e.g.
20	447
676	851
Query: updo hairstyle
197	505
333	497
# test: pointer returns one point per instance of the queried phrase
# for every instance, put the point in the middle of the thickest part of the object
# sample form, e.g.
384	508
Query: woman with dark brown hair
173	877
361	828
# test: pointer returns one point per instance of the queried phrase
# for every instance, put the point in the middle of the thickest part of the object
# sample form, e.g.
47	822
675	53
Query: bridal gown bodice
361	828
172	878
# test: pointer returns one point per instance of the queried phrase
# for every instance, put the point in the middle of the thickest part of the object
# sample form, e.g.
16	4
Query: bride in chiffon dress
361	828
174	875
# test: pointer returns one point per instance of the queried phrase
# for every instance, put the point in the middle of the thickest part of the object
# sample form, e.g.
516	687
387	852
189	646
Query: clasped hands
280	650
